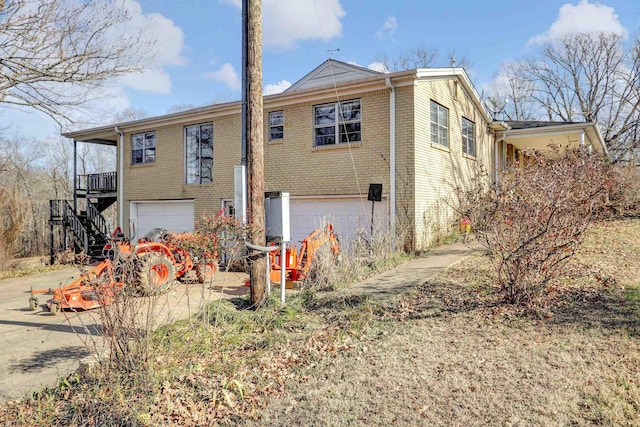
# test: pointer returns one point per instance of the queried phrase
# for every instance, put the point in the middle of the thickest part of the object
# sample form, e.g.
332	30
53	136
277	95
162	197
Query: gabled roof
330	72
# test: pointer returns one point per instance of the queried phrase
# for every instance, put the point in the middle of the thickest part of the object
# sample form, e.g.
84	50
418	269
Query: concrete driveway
37	348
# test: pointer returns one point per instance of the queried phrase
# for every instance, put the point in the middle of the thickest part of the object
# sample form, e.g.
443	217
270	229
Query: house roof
332	72
539	131
532	124
331	78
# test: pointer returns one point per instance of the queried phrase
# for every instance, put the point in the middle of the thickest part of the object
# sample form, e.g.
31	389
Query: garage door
349	216
175	216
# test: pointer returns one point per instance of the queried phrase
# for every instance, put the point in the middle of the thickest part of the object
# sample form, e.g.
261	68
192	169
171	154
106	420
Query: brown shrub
624	197
534	220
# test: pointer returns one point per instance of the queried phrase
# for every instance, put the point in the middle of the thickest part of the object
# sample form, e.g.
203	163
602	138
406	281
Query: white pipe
120	171
497	142
392	158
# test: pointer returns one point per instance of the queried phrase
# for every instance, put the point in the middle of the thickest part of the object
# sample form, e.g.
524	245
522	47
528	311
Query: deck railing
97	183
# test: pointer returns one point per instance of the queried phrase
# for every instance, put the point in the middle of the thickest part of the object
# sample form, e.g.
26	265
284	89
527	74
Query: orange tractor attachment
92	289
298	265
152	266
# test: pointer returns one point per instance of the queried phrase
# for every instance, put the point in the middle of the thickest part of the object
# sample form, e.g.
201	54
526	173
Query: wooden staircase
84	228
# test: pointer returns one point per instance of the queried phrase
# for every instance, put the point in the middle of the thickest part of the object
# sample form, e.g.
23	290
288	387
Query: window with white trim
331	128
439	124
276	125
143	148
199	153
468	137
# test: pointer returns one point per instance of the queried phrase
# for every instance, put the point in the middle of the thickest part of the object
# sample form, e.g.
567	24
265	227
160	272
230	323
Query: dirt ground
449	352
450	355
38	348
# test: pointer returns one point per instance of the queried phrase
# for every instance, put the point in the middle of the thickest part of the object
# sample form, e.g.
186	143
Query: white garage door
176	216
349	216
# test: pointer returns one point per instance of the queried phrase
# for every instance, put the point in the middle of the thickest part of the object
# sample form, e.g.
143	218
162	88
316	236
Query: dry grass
450	353
20	267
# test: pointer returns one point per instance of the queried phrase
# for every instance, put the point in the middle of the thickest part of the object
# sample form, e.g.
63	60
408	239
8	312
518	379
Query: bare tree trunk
255	152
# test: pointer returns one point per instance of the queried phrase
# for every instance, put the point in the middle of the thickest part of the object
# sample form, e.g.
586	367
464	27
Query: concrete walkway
414	272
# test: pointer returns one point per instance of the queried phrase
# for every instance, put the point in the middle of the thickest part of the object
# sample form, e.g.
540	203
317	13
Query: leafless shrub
535	219
624	199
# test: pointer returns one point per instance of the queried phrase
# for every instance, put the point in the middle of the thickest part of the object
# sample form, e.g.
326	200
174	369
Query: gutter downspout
392	158
75	177
119	169
497	141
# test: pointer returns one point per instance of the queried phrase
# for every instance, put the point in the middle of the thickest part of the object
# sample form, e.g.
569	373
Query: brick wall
438	170
426	179
291	164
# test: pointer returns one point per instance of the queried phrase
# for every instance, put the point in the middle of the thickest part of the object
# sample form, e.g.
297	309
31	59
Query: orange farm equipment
92	289
151	265
299	264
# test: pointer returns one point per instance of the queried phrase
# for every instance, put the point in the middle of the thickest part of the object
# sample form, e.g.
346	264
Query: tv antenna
333	51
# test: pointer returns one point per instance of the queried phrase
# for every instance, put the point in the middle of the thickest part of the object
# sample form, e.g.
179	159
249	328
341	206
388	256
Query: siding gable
329	72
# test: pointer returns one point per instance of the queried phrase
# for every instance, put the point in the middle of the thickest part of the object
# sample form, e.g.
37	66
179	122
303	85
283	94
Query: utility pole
255	142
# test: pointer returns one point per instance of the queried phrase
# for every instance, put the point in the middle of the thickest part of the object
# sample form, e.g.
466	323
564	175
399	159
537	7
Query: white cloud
236	3
154	80
583	17
272	89
378	66
227	75
166	45
285	22
389	28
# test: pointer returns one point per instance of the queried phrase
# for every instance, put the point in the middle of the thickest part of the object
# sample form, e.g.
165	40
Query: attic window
347	127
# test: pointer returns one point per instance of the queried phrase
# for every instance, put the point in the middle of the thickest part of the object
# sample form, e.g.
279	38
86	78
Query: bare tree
588	77
176	108
513	93
56	53
130	114
56	160
581	77
421	57
15	201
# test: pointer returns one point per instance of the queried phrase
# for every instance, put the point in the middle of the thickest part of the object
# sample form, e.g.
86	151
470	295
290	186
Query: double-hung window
439	124
468	137
337	123
276	125
199	153
143	148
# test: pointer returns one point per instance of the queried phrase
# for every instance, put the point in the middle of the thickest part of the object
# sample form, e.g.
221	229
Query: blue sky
199	50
